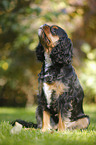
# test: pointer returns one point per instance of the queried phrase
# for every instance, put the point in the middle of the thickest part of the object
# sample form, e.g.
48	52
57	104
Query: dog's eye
53	31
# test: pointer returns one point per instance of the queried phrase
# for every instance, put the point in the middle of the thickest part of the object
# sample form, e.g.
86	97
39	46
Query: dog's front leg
46	121
61	124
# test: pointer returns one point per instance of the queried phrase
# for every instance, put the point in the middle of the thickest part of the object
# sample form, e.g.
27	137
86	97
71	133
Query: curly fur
65	104
40	52
62	52
70	101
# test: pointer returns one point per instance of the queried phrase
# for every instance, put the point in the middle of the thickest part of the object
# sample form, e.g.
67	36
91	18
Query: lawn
36	137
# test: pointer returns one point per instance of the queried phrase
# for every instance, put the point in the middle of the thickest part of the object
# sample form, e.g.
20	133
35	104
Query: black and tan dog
60	95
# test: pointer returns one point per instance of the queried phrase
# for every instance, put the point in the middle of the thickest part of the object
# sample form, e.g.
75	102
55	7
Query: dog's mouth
40	30
43	32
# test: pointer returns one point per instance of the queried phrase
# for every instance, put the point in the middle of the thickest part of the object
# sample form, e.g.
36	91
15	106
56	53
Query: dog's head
55	42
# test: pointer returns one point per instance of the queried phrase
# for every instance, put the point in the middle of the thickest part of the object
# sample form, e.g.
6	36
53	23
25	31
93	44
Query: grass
34	137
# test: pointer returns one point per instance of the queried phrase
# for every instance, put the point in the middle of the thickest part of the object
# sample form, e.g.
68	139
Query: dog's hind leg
81	123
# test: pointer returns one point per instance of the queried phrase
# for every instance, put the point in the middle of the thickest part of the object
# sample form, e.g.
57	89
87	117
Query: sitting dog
60	95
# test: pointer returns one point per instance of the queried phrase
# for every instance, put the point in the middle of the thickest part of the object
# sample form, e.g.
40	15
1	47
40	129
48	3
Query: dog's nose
45	25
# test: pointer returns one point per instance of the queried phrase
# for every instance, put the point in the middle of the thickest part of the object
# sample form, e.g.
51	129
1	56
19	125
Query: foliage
35	137
88	77
17	63
19	23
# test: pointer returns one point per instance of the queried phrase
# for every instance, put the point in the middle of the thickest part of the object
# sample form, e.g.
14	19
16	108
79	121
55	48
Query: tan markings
46	121
79	124
53	38
48	50
57	86
82	123
46	29
61	124
55	27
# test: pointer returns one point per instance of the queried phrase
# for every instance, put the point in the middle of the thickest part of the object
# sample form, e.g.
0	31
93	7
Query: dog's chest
47	92
53	91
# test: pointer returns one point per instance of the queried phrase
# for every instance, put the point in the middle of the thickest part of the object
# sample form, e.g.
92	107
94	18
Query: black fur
24	123
62	53
40	52
61	70
70	102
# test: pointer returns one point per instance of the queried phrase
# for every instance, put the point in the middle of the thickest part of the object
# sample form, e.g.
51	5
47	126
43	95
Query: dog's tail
24	123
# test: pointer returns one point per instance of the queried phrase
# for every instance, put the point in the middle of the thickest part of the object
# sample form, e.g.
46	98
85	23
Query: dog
60	97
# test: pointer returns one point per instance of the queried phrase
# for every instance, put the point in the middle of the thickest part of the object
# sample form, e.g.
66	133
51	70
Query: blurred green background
19	23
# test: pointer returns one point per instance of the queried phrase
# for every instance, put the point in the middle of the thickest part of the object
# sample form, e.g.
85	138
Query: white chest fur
46	87
56	86
47	60
47	92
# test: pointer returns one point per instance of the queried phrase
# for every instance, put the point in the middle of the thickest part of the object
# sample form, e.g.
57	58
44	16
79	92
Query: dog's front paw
46	128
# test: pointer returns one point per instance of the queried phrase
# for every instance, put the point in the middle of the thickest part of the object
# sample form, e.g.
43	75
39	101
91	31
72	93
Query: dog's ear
40	52
62	53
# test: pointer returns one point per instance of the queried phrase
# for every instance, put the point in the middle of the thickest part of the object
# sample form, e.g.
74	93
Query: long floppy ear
62	53
40	52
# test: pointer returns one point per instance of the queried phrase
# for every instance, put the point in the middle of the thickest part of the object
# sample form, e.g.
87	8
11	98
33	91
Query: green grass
36	137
